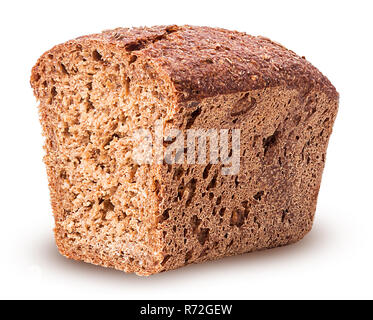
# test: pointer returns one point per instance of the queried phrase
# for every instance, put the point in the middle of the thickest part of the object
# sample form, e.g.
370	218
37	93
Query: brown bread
95	91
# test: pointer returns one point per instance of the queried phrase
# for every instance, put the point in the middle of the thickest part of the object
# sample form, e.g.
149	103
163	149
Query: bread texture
97	90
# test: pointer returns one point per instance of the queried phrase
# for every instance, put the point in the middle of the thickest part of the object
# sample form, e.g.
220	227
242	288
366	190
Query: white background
334	261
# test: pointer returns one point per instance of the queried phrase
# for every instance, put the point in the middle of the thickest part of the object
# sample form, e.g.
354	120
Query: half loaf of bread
98	91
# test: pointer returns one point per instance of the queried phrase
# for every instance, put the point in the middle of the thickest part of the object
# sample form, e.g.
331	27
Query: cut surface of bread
96	92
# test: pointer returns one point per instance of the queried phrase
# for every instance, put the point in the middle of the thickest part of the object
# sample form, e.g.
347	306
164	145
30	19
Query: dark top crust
204	62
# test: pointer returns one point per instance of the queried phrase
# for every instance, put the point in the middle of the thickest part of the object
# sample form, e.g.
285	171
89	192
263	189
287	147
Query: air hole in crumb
237	218
108	206
222	211
242	106
133	172
135	46
157	186
258	196
63	69
165	215
53	91
236	181
193	117
127	85
195	222
180	191
178	173
190	189
133	58
96	56
165	259
218	200
203	235
214	211
284	213
188	256
212	183
206	171
63	174
270	141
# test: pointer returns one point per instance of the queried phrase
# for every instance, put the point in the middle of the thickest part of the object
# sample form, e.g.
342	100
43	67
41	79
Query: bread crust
204	62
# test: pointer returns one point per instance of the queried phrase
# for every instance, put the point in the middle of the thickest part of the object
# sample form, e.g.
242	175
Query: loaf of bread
105	99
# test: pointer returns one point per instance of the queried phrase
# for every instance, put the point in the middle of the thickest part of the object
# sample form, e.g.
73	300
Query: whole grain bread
97	90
